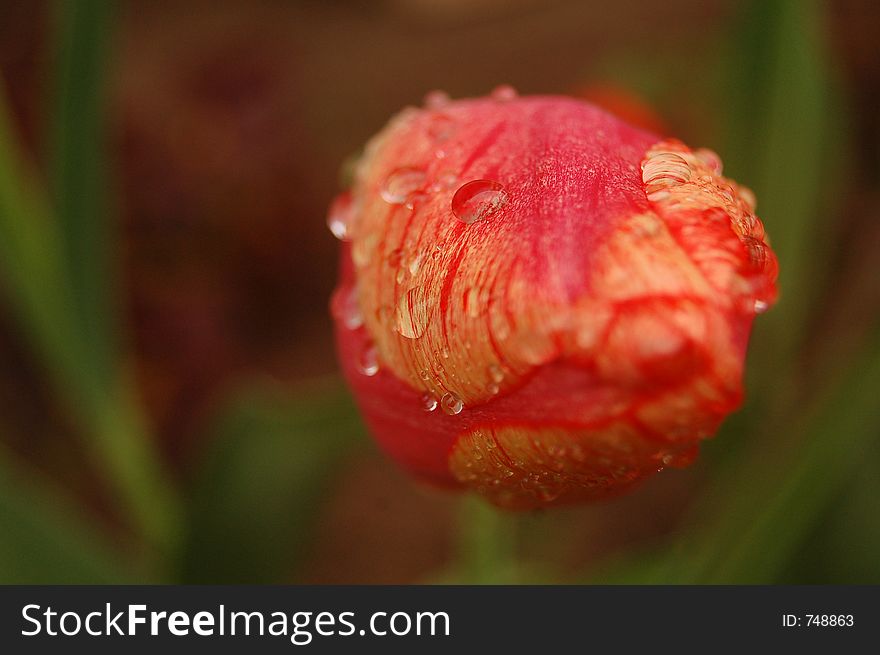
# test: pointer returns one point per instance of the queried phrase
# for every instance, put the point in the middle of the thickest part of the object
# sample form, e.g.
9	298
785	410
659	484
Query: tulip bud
540	302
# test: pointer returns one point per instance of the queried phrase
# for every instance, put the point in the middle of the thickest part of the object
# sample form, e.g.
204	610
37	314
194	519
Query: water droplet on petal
503	93
441	128
493	388
477	200
340	215
761	306
436	99
369	360
445	180
412	315
414	264
429	402
362	250
496	373
710	158
472	302
451	404
402	184
350	310
500	325
748	197
394	257
662	170
414	199
757	252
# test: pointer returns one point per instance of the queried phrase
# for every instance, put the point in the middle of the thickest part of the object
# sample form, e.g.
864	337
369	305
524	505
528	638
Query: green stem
487	545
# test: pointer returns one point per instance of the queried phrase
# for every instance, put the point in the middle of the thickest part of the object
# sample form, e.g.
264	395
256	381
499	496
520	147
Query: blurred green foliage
260	487
65	314
45	540
249	514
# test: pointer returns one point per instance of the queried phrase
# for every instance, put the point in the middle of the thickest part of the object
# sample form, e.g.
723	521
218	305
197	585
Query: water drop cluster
687	189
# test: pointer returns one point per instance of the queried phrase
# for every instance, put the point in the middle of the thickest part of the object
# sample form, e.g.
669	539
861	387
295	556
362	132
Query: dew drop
499	324
429	402
761	306
757	252
402	185
340	215
496	373
503	93
414	264
710	158
394	257
369	360
445	180
493	388
414	199
748	197
451	404
412	316
350	310
663	170
477	200
472	302
436	99
441	128
362	250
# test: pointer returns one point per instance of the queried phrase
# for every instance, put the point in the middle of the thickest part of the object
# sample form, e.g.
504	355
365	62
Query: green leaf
843	545
43	540
270	459
766	522
31	255
786	136
78	183
57	284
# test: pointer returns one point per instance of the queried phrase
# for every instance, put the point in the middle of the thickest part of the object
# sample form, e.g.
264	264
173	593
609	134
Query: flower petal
534	275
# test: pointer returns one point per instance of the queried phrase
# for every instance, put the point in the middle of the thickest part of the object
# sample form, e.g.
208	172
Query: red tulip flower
540	302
